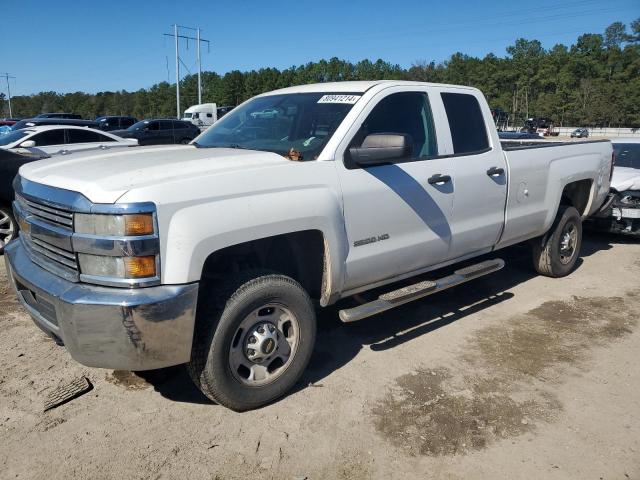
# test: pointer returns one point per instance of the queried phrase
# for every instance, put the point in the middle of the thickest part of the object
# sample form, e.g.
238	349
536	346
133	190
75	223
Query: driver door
397	220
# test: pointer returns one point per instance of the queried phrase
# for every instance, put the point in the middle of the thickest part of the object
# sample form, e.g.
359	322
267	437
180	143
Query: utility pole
175	33
199	68
7	77
176	37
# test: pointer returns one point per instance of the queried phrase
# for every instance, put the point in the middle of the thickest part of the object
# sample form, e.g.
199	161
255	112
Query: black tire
185	141
220	316
8	227
549	256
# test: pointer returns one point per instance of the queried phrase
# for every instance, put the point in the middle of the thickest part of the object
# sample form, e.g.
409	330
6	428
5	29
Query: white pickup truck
215	254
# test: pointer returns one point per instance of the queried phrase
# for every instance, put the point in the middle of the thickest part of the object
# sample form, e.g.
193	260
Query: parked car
623	214
34	122
58	138
519	136
112	122
212	254
72	116
580	133
6	124
10	163
160	131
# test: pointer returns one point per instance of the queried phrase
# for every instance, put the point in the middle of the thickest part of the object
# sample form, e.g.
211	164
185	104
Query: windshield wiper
230	145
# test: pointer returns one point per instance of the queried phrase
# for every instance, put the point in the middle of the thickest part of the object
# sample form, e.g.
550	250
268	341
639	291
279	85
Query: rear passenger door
78	139
166	132
478	171
181	132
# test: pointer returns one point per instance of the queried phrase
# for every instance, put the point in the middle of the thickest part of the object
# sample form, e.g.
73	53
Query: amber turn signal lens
140	267
139	224
24	226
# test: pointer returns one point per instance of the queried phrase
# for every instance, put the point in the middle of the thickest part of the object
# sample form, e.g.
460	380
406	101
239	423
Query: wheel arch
301	255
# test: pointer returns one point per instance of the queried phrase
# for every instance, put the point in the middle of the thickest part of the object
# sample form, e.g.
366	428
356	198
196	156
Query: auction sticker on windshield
350	99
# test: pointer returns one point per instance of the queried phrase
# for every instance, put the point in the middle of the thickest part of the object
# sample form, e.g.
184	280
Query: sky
73	45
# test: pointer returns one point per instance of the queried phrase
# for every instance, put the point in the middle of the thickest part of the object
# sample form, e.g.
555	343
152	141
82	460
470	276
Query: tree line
593	82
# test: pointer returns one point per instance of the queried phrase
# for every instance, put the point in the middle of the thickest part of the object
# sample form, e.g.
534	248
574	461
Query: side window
82	136
104	138
50	137
209	115
406	113
126	122
166	125
468	131
152	126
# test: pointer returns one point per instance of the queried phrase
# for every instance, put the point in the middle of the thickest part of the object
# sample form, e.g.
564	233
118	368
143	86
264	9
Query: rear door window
181	125
83	136
166	125
468	130
50	137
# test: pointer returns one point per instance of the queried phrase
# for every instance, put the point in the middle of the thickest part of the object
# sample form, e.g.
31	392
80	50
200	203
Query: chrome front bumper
127	329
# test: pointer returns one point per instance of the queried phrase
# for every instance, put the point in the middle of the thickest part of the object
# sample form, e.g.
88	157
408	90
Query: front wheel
253	341
8	227
555	254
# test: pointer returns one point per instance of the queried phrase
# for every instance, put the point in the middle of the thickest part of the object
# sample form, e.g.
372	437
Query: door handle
439	179
495	171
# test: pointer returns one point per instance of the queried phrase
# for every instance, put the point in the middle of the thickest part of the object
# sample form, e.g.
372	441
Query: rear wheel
555	254
184	141
8	227
253	341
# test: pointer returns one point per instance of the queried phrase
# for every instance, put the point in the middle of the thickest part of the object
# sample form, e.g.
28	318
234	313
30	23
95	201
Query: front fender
194	232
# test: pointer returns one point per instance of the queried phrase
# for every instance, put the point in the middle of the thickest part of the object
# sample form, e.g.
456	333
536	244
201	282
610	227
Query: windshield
138	126
11	137
296	125
187	115
627	154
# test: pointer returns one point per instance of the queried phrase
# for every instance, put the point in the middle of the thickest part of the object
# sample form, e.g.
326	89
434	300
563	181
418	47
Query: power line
7	76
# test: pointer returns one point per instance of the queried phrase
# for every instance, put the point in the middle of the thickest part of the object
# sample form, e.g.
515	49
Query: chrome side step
407	294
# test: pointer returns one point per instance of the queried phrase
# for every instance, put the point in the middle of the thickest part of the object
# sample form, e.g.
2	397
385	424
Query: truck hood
625	178
105	177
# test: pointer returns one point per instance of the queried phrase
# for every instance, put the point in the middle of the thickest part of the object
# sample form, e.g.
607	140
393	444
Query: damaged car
622	212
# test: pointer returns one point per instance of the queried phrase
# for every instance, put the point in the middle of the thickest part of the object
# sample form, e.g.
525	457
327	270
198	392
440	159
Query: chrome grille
50	214
54	253
51	229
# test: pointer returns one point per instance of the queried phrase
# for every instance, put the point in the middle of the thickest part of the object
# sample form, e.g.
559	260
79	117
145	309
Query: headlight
629	198
117	249
117	267
114	225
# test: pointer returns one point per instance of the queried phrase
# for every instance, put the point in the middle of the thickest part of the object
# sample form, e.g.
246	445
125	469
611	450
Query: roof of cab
355	86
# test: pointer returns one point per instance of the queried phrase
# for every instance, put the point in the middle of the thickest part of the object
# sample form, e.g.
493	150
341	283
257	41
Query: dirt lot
513	376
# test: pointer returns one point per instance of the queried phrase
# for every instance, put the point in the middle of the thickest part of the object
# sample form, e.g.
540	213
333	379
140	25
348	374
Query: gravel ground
511	376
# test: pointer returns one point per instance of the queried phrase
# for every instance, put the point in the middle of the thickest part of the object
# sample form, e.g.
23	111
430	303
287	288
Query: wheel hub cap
568	242
262	341
7	230
264	345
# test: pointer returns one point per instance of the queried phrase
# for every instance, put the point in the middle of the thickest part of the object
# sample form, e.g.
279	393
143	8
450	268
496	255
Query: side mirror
381	148
27	144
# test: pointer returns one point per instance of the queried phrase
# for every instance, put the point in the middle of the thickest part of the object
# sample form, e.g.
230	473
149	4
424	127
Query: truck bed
511	145
537	168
